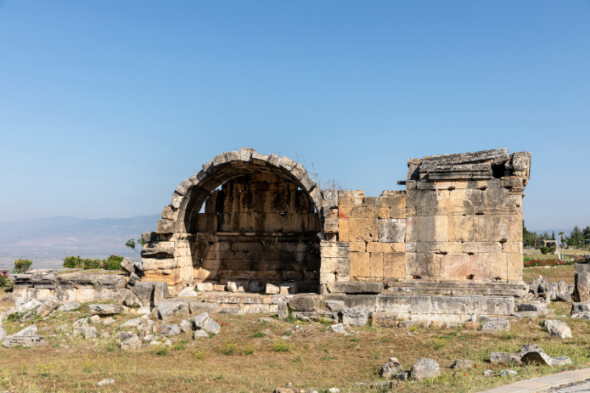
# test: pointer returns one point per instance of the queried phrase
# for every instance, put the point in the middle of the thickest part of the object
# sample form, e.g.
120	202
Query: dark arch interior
259	227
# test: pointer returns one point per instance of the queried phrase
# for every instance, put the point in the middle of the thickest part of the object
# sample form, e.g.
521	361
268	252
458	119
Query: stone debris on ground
338	328
425	368
105	382
508	373
391	369
460	364
558	328
495	326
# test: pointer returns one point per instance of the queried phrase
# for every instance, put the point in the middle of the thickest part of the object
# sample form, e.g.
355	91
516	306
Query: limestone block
166	226
422	265
420	304
489	265
421	198
330	197
514	265
394	303
470	247
351	198
389	200
439	247
427	229
392	230
169	213
454	265
356	287
512	247
334	249
489	247
358	246
158	264
368	212
376	264
359	264
359	229
463	228
385	247
462	305
411	247
501	228
394	265
582	287
384	319
397	213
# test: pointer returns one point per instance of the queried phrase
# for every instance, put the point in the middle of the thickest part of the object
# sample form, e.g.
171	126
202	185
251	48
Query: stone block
489	266
422	265
420	304
384	319
392	230
394	303
463	228
462	305
454	266
582	287
411	247
499	228
385	247
166	226
359	264
351	198
512	247
334	249
495	326
514	265
376	264
369	212
356	287
355	316
359	246
304	303
394	265
361	229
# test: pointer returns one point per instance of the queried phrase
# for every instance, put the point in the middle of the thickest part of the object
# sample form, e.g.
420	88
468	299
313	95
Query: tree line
577	237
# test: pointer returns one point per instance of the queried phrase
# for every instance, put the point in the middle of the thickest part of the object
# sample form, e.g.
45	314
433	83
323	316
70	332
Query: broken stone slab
560	361
504	358
355	316
495	156
49	306
133	323
582	287
169	307
335	305
201	307
583	315
28	331
201	334
338	328
391	369
460	364
205	287
283	312
425	368
540	308
105	382
106	309
31	305
237	286
508	373
203	322
171	330
131	343
558	328
581	307
69	306
185	326
23	341
304	303
526	314
356	287
128	265
495	326
187	292
94	319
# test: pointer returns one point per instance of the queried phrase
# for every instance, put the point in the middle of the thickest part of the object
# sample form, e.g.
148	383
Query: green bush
112	263
551	250
22	265
4	281
544	250
73	262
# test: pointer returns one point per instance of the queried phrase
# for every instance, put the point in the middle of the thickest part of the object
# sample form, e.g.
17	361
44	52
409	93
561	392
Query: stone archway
187	237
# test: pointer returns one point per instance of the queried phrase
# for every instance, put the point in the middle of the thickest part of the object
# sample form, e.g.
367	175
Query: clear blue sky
105	106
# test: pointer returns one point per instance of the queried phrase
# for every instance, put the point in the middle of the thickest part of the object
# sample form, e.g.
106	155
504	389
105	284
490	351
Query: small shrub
438	345
199	355
281	346
181	345
162	352
551	250
4	281
112	263
544	250
229	349
73	262
22	265
288	333
291	319
248	350
258	335
91	264
327	322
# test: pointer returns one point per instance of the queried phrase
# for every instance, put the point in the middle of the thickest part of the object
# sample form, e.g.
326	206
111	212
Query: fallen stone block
133	323
171	330
460	364
69	306
205	287
28	331
185	326
558	328
390	369
106	309
105	382
495	326
201	307
540	308
355	316
425	368
338	328
48	307
23	341
187	292
169	307
304	303
131	343
508	373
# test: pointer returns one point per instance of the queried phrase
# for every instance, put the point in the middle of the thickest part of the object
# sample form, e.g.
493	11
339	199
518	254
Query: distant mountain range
47	241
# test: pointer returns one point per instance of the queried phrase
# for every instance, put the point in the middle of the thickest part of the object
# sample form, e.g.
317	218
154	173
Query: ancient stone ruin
253	233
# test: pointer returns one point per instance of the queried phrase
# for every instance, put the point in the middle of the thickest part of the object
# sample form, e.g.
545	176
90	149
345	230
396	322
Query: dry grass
565	273
249	356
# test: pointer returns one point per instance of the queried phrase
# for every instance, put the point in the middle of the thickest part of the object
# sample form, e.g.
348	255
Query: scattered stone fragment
187	292
506	373
185	326
108	321
69	306
405	324
495	326
105	309
390	369
283	310
202	321
538	307
23	341
460	364
488	373
169	307
46	308
28	331
425	368
82	322
498	357
334	390
558	328
106	382
122	336
90	332
355	316
128	265
201	334
94	319
131	343
560	361
266	320
170	330
133	323
338	328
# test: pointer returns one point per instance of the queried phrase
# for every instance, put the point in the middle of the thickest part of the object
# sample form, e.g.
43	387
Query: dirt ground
253	356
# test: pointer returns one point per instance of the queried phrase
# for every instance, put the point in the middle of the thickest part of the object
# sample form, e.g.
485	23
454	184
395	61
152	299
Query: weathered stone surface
582	287
355	287
23	341
283	312
49	306
540	308
558	328
200	334
131	343
28	331
384	319
425	368
169	307
133	323
105	309
495	326
171	330
338	328
187	292
69	306
499	357
304	303
391	369
460	364
335	305
392	230
355	316
185	326
201	307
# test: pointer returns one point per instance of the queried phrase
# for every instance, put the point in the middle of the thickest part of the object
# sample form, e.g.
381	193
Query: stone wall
459	220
